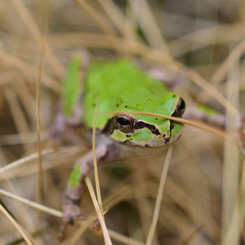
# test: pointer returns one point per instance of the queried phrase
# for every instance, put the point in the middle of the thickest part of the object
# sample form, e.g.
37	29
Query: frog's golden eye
124	124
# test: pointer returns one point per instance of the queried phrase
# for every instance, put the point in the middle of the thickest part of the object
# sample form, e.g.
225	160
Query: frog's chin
165	140
143	149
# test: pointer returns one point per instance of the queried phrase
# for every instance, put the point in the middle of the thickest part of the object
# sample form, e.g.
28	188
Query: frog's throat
166	140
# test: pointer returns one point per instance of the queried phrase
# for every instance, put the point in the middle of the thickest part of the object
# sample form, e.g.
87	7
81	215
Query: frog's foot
96	228
72	213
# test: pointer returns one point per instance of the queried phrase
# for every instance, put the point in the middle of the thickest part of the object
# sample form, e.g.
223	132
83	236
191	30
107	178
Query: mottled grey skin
107	152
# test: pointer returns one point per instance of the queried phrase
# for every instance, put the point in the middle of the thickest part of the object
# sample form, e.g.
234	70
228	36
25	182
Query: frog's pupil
123	121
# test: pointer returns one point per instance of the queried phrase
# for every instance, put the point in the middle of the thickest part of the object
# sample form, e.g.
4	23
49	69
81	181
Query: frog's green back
121	86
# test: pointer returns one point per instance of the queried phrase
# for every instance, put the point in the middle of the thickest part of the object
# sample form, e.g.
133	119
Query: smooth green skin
71	87
123	87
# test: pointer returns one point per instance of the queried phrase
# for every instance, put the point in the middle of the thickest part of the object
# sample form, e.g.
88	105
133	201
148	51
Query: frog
121	88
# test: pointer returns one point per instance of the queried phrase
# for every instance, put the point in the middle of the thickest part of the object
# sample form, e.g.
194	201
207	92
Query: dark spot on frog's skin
152	91
147	145
171	125
156	118
125	106
119	102
174	96
166	139
128	135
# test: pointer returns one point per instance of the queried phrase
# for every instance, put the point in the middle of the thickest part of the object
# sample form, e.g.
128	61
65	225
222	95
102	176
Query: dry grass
203	200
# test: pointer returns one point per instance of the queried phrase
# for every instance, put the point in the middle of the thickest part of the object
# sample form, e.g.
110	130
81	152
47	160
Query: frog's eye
124	124
181	107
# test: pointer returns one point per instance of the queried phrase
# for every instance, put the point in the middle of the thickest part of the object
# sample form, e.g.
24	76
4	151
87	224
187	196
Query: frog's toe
96	227
72	213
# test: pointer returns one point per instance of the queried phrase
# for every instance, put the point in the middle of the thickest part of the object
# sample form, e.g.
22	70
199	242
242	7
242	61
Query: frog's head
145	130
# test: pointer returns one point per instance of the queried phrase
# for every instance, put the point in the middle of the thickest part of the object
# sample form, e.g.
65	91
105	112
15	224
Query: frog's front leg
218	120
74	190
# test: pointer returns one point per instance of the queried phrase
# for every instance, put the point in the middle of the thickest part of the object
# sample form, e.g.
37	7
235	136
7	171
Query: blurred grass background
203	201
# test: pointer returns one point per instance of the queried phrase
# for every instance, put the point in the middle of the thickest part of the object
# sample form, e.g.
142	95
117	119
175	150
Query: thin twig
159	196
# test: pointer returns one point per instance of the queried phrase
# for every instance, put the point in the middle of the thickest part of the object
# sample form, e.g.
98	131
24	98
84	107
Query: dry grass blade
231	172
159	196
96	175
25	96
17	112
99	20
210	89
192	235
115	235
205	37
31	25
38	91
16	225
24	160
26	68
146	19
102	41
81	230
222	71
242	198
117	17
25	138
32	204
123	239
99	214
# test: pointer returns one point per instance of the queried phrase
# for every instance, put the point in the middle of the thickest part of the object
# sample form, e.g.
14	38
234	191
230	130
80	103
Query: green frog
122	88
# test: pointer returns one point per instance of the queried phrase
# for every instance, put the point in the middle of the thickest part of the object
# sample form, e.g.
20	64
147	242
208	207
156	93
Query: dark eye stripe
152	128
